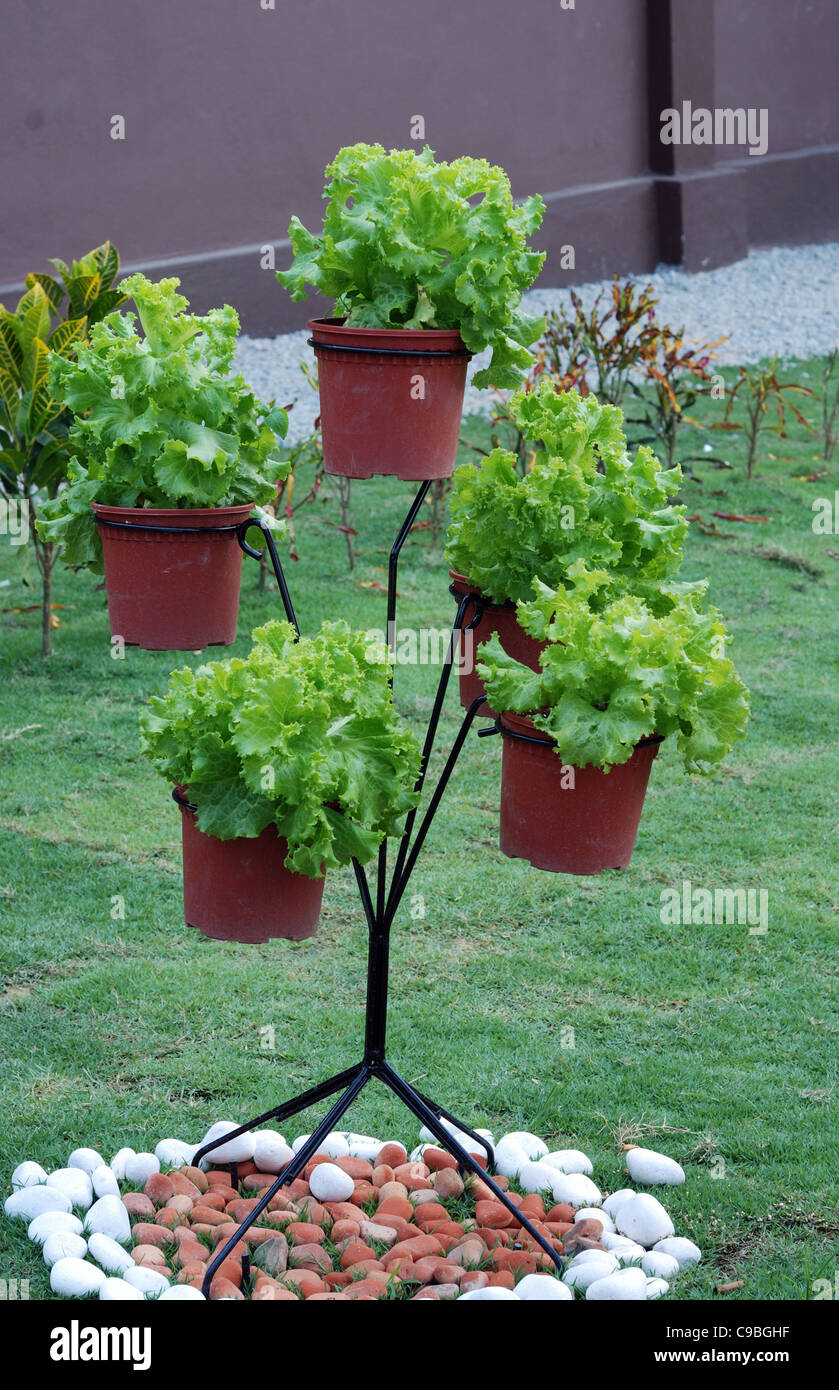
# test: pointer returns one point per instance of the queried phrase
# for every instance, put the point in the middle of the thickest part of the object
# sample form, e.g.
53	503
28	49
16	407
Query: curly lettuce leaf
408	242
159	422
301	734
610	678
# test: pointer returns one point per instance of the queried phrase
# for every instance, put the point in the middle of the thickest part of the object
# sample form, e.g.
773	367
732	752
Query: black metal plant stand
380	914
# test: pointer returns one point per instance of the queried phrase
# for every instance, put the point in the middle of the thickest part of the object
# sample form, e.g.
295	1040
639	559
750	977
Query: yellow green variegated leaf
42	410
106	259
83	290
104	304
11	353
35	364
34	319
51	288
65	338
9	393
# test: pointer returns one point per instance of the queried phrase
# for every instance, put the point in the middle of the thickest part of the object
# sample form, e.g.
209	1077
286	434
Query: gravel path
784	301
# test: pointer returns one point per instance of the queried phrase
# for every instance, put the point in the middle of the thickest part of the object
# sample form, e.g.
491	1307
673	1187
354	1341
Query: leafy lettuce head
302	733
410	242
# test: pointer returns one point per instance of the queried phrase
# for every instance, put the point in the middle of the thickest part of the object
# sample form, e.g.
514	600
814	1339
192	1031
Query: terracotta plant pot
171	591
496	617
582	828
240	890
390	399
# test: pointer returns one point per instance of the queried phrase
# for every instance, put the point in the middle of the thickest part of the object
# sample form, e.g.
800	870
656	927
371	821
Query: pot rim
528	732
156	516
461	585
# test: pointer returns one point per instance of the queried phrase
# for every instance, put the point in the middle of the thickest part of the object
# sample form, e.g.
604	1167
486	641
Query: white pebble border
76	1217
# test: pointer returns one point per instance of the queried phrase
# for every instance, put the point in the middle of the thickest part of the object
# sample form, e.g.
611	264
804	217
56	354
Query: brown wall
232	111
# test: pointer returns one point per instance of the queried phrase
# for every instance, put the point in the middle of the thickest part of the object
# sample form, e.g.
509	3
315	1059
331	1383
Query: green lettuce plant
411	243
621	672
585	499
301	734
159	420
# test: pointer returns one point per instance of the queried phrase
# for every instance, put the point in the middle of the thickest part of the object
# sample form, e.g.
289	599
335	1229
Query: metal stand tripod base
379	916
351	1083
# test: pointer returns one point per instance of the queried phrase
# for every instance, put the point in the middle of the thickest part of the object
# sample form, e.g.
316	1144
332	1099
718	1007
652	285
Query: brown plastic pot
390	399
171	591
582	828
241	890
496	617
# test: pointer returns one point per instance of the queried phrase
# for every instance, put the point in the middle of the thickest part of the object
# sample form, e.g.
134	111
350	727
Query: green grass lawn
524	1000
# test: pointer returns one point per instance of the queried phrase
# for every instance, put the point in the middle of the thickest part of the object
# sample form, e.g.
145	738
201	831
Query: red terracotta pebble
355	1252
148	1255
147	1233
159	1189
305	1280
138	1204
222	1289
561	1212
183	1184
305	1233
438	1158
194	1175
393	1155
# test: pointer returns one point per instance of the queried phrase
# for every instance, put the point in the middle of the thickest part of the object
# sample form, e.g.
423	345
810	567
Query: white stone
117	1290
644	1219
570	1161
28	1174
117	1163
364	1146
659	1266
146	1279
585	1256
104	1181
86	1159
575	1189
174	1153
271	1153
181	1293
62	1243
140	1167
541	1287
75	1183
596	1214
415	1156
110	1218
630	1254
75	1278
510	1157
536	1177
238	1150
533	1146
29	1202
579	1276
472	1146
648	1167
613	1203
683	1250
45	1225
334	1145
329	1183
489	1295
109	1254
613	1241
657	1288
627	1284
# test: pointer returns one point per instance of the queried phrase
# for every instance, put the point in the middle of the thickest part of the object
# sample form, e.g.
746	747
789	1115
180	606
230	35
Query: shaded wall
232	110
